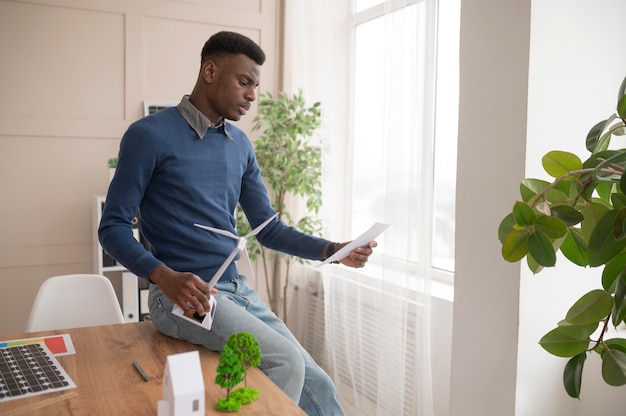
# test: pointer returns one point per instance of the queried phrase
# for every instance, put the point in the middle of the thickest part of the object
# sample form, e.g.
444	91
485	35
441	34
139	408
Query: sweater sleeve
136	163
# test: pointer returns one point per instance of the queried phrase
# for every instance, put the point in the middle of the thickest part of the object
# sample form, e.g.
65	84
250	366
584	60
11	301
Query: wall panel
73	75
66	56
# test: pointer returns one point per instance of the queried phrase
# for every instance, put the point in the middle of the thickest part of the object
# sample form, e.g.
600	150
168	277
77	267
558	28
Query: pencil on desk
140	370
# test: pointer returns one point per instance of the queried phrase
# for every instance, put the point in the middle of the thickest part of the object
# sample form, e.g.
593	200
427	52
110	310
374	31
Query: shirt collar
198	121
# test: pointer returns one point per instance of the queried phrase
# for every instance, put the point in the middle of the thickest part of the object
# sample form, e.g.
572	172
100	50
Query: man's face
231	90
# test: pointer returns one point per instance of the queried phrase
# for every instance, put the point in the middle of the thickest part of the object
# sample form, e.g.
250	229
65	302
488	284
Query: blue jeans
283	359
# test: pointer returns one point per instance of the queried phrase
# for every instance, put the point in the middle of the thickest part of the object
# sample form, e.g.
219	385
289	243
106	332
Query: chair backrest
73	301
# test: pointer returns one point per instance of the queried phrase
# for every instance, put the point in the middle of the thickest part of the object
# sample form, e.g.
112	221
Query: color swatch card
28	370
57	344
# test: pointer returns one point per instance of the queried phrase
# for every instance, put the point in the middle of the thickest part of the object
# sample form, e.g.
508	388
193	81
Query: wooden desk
108	384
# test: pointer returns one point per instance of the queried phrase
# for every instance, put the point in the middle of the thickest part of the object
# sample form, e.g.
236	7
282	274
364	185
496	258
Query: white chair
73	301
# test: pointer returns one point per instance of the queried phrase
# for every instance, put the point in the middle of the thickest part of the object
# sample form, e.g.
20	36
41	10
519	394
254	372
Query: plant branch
286	288
604	329
541	196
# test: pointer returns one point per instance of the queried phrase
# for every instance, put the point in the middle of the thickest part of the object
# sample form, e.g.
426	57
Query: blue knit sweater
178	179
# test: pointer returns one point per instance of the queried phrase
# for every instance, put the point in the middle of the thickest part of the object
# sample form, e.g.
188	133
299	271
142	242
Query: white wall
577	63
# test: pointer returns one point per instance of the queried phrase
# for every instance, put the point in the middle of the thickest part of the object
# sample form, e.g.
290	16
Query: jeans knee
298	367
319	395
287	370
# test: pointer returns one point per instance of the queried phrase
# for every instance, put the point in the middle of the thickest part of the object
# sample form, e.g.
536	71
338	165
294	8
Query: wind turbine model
241	247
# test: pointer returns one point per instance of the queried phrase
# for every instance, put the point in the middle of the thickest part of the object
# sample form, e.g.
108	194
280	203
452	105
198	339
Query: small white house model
183	386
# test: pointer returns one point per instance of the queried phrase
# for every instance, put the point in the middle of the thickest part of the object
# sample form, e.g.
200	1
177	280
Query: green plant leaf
605	138
586	193
622	90
608	170
558	163
612	270
598	157
560	343
594	136
591	308
515	246
604	135
619	305
524	215
507	226
573	374
578	331
565	187
530	187
621	107
552	226
622	185
615	344
592	213
540	247
569	215
574	247
605	190
619	223
614	367
554	196
533	265
618	199
603	245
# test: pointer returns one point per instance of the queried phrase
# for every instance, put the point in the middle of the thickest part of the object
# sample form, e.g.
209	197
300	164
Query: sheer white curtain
372	67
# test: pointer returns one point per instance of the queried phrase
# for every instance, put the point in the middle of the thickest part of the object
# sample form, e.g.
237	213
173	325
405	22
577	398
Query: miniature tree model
246	347
229	374
240	353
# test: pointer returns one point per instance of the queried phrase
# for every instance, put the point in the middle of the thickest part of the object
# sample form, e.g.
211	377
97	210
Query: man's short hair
231	43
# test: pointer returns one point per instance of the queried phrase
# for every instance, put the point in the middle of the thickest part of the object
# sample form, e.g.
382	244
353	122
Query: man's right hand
183	288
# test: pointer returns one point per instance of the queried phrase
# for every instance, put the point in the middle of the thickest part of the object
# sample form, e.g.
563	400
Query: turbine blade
245	253
260	227
217	230
222	269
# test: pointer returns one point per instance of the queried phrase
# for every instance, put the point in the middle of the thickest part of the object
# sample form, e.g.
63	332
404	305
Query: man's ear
208	71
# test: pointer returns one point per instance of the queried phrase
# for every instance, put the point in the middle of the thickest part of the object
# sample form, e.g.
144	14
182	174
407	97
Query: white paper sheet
361	241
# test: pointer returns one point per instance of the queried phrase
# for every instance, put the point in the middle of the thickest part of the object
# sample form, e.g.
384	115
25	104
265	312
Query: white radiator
373	330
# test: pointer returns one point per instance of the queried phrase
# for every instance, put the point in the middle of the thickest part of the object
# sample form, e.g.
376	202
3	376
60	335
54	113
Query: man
187	165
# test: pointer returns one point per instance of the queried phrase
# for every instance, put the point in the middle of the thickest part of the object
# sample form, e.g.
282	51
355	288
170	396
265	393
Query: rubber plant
290	163
582	214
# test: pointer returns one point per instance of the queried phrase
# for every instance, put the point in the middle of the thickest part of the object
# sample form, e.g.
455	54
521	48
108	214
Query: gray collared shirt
198	121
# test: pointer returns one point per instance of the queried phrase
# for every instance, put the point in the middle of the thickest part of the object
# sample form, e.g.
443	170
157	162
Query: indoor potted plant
290	163
112	162
582	213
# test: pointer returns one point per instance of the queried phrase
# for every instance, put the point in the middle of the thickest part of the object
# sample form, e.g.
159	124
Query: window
404	127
